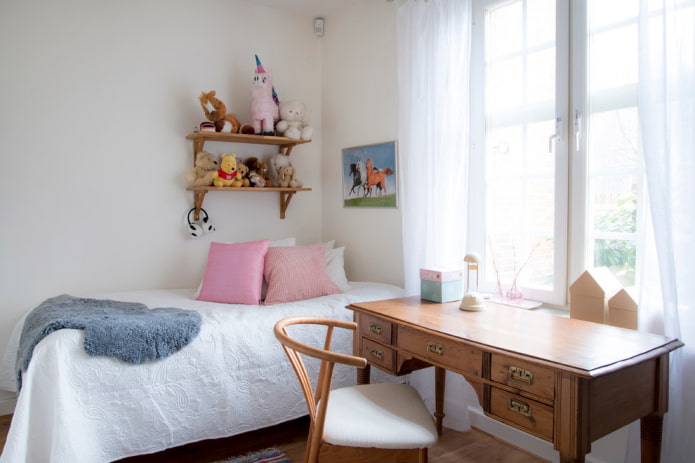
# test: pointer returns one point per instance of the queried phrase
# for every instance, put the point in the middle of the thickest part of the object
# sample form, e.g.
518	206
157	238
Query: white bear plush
292	123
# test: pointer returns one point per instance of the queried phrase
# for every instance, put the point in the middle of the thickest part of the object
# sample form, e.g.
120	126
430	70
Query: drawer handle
376	329
435	348
520	375
519	407
377	354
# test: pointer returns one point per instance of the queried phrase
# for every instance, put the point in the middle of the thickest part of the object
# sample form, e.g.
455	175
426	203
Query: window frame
573	253
477	234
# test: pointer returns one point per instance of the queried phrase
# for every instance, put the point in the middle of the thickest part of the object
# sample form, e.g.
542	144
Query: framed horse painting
370	176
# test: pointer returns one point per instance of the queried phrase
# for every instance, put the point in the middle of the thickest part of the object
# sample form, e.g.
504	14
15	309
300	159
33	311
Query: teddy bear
216	112
258	171
204	171
292	123
227	175
287	177
243	170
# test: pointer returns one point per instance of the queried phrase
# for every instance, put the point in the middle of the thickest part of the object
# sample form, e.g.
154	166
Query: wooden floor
453	447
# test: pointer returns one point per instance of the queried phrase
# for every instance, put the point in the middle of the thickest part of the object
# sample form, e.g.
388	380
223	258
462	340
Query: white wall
360	107
96	99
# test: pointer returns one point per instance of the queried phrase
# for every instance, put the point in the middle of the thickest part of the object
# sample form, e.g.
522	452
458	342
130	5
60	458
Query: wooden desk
567	381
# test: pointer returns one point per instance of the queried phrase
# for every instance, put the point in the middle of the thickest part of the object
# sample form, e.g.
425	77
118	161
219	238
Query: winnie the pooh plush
227	175
292	123
216	112
204	171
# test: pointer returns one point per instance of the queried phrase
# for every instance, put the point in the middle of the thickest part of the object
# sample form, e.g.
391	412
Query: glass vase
514	294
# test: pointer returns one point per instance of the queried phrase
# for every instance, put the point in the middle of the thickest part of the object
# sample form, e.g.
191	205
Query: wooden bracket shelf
199	193
284	144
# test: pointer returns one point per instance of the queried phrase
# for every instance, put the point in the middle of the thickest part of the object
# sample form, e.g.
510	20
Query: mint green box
441	291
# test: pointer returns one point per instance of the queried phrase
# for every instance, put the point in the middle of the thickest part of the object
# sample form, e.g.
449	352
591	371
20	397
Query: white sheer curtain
433	75
667	112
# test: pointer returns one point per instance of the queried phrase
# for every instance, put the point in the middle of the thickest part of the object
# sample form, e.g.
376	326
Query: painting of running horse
370	176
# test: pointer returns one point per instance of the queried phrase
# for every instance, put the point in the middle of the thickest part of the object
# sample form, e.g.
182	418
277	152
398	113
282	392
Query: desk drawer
374	328
526	414
378	354
452	355
523	375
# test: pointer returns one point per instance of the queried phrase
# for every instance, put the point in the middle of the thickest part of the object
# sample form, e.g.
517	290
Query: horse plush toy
216	112
264	101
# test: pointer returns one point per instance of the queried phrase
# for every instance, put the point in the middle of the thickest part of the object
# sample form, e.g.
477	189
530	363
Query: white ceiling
312	7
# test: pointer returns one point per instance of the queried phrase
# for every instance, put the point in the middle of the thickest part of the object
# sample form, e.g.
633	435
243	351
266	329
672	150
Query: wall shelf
284	145
199	193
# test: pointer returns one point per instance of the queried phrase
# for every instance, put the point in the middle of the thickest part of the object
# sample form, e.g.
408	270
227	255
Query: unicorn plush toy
264	101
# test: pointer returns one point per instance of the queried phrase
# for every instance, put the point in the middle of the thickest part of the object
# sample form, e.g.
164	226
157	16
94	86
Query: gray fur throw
128	331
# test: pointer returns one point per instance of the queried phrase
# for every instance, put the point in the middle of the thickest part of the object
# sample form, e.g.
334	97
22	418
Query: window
556	179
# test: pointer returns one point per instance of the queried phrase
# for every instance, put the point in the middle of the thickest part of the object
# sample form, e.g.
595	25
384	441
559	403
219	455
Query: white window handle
557	135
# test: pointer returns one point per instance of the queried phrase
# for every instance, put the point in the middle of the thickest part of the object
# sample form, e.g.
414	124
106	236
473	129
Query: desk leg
439	386
651	427
363	375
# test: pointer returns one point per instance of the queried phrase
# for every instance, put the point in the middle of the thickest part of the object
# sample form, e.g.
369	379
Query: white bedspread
234	377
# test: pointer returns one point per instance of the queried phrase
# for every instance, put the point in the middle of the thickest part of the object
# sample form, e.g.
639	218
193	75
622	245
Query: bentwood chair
383	422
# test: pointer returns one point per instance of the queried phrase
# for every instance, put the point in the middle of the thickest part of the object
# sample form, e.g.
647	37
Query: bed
232	378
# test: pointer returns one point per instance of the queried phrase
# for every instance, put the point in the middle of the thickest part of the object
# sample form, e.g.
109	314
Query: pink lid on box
441	274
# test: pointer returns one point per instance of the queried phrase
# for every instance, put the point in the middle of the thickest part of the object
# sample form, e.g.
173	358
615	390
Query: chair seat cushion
389	416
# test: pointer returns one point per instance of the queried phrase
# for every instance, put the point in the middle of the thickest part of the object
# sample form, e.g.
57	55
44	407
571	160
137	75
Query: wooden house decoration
622	309
590	293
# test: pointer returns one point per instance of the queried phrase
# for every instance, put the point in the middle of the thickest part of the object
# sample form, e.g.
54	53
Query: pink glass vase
514	294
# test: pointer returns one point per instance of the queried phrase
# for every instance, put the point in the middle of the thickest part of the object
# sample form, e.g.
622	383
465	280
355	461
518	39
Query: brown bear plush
243	173
260	169
204	171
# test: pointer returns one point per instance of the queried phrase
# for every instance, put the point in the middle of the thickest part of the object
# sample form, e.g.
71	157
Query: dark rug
264	456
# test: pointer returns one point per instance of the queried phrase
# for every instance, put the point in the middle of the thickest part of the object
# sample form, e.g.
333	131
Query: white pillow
283	242
335	266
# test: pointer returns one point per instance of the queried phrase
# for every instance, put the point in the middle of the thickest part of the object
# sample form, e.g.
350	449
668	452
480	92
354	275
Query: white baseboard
606	449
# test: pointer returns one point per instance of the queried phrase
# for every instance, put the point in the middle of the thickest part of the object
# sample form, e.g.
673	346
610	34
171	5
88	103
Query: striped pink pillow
234	273
297	273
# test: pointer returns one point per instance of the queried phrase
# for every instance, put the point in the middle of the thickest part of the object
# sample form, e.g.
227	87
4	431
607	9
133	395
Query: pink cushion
234	273
297	273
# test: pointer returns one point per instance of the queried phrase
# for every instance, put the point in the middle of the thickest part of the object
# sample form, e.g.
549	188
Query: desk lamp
472	300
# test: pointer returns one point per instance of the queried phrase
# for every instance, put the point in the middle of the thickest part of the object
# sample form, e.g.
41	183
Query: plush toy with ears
216	112
228	175
204	171
292	123
277	162
260	169
287	177
264	101
243	170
